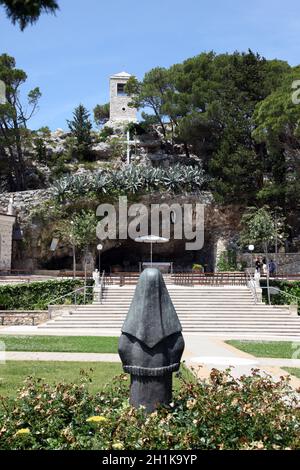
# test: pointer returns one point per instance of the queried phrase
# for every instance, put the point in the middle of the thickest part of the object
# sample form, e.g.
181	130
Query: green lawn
292	371
89	344
279	349
13	373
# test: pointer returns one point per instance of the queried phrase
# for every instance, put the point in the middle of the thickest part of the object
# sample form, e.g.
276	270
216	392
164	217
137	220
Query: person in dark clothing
272	268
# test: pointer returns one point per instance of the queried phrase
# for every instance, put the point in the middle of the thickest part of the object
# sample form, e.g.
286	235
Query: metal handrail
283	292
75	292
251	283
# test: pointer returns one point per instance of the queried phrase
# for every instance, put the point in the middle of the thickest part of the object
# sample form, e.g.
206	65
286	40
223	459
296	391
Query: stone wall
6	228
24	201
287	263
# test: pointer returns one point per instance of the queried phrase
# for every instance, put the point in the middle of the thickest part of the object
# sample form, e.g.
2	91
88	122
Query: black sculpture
151	344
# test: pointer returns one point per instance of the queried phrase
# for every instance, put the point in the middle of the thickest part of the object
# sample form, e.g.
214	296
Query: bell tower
119	109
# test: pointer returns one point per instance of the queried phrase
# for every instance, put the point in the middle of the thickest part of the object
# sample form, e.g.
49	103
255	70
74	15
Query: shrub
105	133
290	287
227	262
220	413
36	295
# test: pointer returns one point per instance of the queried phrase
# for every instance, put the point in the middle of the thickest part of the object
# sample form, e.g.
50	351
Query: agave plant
100	183
174	179
61	188
133	179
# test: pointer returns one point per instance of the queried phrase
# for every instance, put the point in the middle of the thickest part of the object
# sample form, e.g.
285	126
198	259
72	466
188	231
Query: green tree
101	114
14	116
277	120
261	227
25	12
151	93
81	128
79	232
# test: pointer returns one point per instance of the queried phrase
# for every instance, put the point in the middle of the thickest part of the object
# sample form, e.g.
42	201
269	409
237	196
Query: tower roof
121	75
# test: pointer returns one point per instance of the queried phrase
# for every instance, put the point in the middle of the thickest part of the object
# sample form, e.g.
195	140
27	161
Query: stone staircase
224	311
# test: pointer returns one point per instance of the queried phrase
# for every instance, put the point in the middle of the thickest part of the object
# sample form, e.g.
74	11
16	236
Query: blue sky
71	55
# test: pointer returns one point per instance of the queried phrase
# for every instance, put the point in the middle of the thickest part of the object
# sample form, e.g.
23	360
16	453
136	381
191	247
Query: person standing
258	265
272	268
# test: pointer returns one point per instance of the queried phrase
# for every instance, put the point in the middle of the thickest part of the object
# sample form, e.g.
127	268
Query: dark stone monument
151	344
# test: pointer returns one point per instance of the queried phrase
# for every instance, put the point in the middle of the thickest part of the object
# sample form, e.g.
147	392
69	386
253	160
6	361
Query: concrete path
59	356
201	354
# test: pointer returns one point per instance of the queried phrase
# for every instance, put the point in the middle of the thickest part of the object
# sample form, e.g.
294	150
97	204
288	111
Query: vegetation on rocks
130	180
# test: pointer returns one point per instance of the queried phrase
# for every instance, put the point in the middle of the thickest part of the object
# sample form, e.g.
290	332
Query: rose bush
220	413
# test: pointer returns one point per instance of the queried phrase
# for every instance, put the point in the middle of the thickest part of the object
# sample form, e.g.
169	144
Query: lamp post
99	248
251	249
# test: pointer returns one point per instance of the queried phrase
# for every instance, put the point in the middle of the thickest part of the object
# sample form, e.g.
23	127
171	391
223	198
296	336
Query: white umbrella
151	239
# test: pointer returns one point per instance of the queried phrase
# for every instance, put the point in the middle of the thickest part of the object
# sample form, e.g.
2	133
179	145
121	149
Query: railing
211	279
74	295
284	295
251	283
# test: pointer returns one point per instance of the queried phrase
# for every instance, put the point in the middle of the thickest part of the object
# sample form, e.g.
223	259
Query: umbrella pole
151	253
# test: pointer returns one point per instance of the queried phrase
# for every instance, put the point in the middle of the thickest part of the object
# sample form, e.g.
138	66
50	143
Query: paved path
201	354
59	356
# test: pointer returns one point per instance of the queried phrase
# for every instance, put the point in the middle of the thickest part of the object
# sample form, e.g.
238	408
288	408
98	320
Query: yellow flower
118	445
23	432
97	419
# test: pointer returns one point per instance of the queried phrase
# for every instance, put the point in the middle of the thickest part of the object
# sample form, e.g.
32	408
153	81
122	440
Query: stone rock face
6	228
24	201
101	150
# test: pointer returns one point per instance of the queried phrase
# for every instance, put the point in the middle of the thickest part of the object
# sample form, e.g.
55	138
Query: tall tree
101	114
262	228
277	121
25	12
81	127
14	116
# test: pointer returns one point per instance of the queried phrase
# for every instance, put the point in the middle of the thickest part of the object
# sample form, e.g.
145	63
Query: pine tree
81	127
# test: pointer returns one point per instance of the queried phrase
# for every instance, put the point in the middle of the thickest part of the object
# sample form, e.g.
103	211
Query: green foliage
79	230
35	295
131	180
27	12
84	344
277	349
117	147
105	133
14	117
291	288
101	114
217	106
261	227
221	413
81	128
227	262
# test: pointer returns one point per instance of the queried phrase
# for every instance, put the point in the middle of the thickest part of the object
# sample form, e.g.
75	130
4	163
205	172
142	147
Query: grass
13	374
293	371
276	349
84	344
